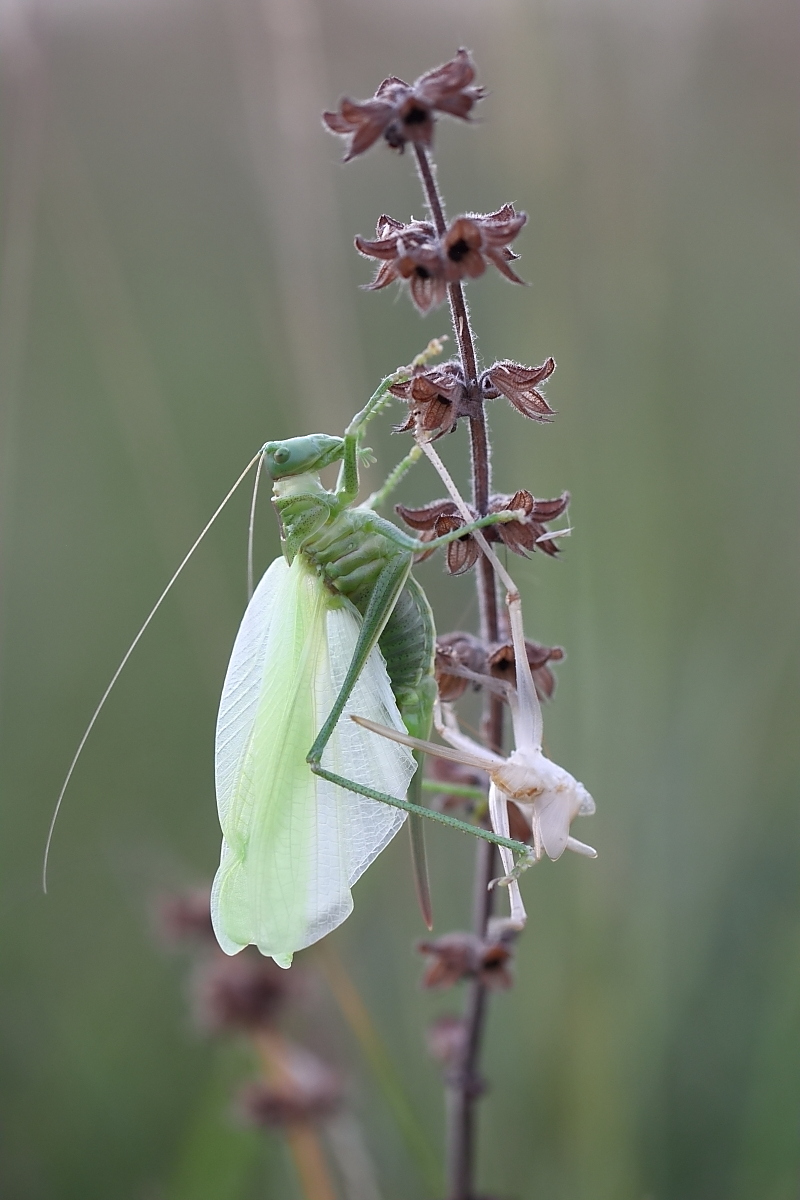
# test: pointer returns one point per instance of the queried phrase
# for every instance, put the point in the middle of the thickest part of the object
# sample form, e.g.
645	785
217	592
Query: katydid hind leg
430	814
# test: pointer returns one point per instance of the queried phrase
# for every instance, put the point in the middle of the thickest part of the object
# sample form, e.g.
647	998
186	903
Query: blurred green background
178	286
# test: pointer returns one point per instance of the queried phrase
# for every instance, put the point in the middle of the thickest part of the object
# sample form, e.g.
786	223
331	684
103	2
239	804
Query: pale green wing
293	844
242	687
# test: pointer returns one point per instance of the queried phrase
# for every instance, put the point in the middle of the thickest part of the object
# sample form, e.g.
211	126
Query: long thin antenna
251	529
119	669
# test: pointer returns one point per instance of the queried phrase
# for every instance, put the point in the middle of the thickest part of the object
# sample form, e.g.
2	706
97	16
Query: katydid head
300	455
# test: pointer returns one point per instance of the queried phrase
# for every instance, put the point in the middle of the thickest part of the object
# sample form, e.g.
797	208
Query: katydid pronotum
337	626
548	796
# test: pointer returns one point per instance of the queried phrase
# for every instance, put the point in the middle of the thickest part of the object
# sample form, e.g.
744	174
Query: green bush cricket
304	658
350	570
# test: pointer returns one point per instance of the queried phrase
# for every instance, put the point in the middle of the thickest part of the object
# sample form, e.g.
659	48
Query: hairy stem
464	1085
479	441
458	305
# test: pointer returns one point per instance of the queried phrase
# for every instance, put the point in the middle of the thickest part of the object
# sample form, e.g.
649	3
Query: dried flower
410	253
186	916
501	664
456	653
244	992
436	399
436	519
307	1090
456	956
523	536
460	657
530	534
414	254
402	112
470	243
518	384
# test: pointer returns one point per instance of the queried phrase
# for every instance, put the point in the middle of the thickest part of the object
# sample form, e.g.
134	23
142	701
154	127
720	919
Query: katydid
294	841
548	795
296	784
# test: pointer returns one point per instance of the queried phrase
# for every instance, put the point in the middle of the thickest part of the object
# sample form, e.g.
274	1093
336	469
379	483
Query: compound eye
281	455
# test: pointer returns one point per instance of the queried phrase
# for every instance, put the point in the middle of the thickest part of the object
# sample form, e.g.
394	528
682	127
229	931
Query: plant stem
458	305
464	1085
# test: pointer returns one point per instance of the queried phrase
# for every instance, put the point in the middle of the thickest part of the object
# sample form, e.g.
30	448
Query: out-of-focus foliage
178	287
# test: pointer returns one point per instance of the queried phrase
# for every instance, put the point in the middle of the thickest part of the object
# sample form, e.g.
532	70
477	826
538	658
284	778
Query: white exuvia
548	796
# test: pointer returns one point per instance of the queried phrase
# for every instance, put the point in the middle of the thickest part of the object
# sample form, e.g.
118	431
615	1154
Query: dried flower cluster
458	956
439	397
433	260
303	1091
520	385
484	962
522	536
250	995
247	992
464	660
402	112
415	254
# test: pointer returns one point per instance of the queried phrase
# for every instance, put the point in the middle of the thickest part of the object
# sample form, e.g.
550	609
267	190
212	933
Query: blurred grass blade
357	1017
